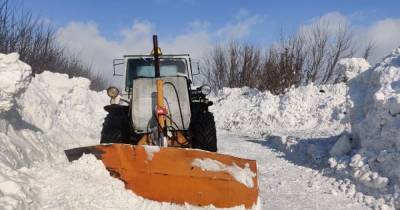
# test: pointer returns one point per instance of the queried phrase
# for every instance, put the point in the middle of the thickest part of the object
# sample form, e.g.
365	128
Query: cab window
144	68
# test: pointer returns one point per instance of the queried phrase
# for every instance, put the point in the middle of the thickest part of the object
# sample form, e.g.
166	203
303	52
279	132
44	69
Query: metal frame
198	68
117	62
161	55
182	56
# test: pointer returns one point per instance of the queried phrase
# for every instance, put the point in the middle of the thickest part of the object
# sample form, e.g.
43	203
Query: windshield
144	67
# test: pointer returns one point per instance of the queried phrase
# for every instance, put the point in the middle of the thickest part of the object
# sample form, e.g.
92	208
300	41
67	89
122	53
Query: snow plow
160	138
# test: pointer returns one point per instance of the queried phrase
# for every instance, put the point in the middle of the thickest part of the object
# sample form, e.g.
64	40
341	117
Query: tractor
133	118
159	138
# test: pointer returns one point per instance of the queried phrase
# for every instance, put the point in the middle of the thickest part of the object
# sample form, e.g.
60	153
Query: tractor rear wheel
203	132
116	126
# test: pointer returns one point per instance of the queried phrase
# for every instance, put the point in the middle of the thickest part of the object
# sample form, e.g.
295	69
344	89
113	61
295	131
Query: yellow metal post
161	112
160	102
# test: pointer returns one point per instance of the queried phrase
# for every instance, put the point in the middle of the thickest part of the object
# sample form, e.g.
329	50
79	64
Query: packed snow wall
254	113
40	117
374	99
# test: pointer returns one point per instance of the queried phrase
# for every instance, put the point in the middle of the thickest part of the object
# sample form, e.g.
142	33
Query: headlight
112	92
205	89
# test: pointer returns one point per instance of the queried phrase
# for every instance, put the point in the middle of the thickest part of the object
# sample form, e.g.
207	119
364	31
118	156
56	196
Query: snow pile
63	108
253	113
373	102
86	184
243	175
14	77
363	173
39	118
353	67
374	97
378	126
54	113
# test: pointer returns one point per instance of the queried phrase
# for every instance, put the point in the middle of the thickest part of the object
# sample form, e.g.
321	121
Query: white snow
377	127
341	147
297	139
243	175
250	112
86	184
374	105
44	117
363	173
63	108
14	77
353	67
150	150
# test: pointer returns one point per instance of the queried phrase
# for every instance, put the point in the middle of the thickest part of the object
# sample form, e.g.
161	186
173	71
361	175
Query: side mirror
117	62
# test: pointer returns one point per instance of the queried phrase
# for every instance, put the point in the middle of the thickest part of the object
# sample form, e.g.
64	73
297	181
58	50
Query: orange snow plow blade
171	175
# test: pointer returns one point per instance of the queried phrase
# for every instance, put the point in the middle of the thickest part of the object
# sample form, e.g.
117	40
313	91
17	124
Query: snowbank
353	67
14	78
373	104
253	113
52	114
42	116
374	97
86	184
39	118
63	108
378	126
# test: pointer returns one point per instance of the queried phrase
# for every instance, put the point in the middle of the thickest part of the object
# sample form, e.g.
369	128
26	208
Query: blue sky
171	18
100	30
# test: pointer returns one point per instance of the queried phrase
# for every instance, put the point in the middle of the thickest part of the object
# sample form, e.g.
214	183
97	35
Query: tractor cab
158	87
142	66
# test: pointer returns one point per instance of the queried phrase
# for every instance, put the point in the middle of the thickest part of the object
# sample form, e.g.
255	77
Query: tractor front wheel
203	132
116	126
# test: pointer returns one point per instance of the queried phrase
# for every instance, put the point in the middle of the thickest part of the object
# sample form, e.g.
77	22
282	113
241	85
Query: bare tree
251	66
317	44
216	68
325	46
282	65
309	56
368	50
36	45
234	65
342	47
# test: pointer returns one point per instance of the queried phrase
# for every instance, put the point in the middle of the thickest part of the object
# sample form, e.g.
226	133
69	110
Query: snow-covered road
283	184
85	184
40	117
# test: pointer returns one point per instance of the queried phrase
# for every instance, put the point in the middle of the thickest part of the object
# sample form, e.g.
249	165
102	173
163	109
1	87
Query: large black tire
116	126
202	131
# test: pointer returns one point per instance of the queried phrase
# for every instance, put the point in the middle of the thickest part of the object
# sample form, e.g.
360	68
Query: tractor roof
163	55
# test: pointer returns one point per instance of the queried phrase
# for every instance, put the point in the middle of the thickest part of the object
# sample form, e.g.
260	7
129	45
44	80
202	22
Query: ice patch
243	175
